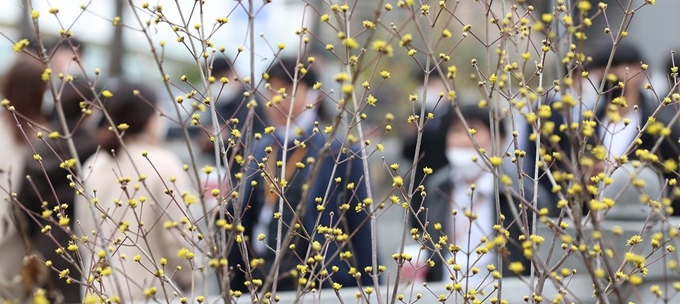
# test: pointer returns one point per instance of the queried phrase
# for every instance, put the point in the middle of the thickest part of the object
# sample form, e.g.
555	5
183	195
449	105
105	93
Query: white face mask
461	163
433	100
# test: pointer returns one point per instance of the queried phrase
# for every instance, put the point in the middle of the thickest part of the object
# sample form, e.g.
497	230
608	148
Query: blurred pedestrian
65	56
230	103
137	187
49	187
305	147
433	138
467	185
624	110
22	89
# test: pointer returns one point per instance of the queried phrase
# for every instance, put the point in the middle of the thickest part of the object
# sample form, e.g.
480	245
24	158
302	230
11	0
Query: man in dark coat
622	112
230	103
433	138
333	195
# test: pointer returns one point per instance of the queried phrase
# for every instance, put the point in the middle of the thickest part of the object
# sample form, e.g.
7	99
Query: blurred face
281	96
457	137
62	60
631	78
434	87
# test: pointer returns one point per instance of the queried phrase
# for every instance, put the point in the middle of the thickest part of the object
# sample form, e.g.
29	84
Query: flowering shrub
275	223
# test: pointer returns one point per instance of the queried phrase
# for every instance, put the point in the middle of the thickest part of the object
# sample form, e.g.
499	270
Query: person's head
280	93
133	105
24	88
63	53
435	85
460	149
221	67
625	66
76	98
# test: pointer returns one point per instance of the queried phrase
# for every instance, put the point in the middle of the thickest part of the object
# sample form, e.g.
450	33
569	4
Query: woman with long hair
133	191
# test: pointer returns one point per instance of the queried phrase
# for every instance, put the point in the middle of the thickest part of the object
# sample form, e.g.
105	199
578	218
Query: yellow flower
64	221
185	254
383	47
39	297
635	279
347	88
516	267
496	161
107	94
546	18
46	74
20	45
350	43
584	6
398	181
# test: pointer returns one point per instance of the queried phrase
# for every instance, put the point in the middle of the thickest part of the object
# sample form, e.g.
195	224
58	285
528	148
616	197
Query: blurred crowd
116	206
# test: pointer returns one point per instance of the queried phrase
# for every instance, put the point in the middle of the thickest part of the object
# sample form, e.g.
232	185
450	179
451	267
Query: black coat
432	152
351	221
32	198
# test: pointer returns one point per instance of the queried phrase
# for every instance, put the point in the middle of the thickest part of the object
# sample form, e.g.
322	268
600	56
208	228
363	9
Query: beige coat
12	157
152	241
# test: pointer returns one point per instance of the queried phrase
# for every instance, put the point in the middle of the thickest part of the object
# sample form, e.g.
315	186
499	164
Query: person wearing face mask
292	109
623	111
450	190
143	203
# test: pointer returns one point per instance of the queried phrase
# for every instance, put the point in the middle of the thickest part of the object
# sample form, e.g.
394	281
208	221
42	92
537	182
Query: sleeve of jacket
248	216
358	223
362	240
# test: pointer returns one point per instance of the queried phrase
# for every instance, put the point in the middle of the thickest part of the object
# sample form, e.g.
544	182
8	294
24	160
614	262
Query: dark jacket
32	198
432	152
548	199
437	210
236	107
351	221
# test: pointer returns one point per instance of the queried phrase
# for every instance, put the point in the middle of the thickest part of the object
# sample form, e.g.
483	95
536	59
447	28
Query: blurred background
123	51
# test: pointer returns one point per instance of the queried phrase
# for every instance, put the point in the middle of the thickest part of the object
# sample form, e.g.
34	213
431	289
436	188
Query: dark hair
221	65
24	88
72	95
65	45
132	105
473	112
283	68
626	53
